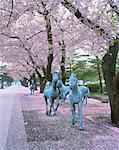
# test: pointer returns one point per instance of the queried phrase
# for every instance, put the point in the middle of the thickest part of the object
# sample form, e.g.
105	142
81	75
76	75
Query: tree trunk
35	81
46	16
99	74
62	63
48	75
111	79
25	82
42	81
50	44
115	101
42	84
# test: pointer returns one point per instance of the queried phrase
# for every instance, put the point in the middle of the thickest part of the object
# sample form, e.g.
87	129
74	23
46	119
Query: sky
80	52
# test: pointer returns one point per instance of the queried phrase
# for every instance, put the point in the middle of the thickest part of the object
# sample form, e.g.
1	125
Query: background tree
29	30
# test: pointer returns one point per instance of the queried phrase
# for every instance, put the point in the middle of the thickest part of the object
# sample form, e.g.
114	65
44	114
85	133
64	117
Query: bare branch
12	37
34	35
100	31
114	7
11	12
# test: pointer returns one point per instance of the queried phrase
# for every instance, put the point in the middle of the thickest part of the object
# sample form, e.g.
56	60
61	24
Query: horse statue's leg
57	101
52	106
80	115
33	91
86	97
83	98
73	113
64	97
46	105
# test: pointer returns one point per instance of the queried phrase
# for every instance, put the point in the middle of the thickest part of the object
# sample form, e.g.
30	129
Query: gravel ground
56	133
103	119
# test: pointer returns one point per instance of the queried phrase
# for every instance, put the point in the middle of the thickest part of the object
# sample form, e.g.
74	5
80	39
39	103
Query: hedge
93	87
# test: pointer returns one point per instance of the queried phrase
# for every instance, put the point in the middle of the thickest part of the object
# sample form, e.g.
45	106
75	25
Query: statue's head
55	76
59	83
72	81
48	83
32	81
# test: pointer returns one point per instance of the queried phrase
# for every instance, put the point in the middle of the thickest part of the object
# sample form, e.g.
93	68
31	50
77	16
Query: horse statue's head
59	83
72	81
48	84
54	77
32	81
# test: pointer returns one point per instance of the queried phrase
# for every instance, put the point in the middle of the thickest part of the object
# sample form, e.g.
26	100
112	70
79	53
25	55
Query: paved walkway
6	102
12	130
24	126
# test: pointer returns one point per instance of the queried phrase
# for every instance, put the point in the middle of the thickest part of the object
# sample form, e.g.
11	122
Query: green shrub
93	87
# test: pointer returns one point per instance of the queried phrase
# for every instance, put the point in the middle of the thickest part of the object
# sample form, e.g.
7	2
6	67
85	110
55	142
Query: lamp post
2	76
1	80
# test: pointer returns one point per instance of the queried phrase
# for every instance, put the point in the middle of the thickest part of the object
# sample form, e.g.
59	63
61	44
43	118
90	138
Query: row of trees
38	36
88	68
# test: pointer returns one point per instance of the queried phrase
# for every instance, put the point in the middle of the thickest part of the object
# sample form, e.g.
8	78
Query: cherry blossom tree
45	33
109	31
